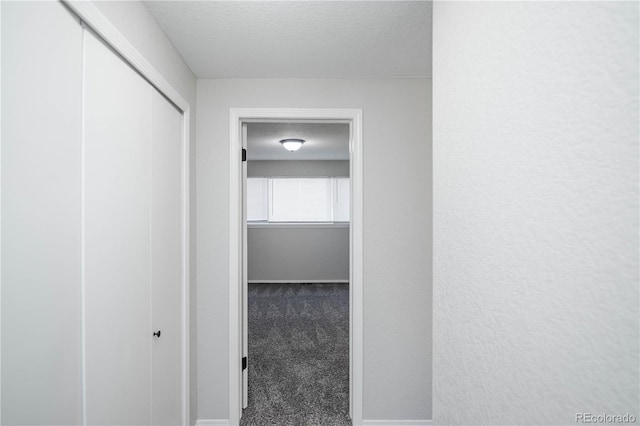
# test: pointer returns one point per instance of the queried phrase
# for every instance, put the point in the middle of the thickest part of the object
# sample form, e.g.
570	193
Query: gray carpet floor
298	355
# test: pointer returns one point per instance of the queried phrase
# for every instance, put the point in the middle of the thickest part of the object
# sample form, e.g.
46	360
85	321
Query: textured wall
397	232
535	211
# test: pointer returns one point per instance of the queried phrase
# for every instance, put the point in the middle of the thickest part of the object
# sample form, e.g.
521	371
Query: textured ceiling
324	141
279	39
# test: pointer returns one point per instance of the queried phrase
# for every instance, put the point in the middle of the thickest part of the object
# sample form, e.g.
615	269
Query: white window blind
257	205
298	199
341	199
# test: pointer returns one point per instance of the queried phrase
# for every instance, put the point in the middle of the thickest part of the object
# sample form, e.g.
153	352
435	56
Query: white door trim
236	117
91	16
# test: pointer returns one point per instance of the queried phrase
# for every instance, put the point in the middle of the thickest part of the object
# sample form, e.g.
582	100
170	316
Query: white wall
305	252
313	168
397	232
134	21
36	89
41	129
535	211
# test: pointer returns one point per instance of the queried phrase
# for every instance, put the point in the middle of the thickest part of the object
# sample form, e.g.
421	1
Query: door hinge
244	154
244	363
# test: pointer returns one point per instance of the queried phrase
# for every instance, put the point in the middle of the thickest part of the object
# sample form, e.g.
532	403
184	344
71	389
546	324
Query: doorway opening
297	269
330	212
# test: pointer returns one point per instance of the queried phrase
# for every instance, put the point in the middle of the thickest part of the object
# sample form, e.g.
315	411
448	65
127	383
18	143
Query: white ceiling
281	39
324	141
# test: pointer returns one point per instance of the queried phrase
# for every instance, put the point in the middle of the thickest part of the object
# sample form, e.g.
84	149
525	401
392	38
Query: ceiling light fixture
292	144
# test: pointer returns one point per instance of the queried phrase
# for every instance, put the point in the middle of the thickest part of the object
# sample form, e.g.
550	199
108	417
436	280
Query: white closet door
117	240
166	261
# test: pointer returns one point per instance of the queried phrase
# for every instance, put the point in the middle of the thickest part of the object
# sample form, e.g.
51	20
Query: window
342	198
298	199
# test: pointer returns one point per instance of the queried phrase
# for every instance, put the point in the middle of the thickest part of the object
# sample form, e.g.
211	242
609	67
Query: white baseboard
297	281
225	422
396	423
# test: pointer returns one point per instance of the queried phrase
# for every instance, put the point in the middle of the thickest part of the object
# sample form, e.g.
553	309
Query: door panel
245	278
166	261
116	240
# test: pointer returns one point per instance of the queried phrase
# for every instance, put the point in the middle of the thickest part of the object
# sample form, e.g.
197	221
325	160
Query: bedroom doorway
281	186
297	267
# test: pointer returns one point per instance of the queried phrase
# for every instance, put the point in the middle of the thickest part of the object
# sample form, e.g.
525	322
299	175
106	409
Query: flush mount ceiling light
292	144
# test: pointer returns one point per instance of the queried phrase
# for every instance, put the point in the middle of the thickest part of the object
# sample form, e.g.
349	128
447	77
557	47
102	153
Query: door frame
93	18
237	116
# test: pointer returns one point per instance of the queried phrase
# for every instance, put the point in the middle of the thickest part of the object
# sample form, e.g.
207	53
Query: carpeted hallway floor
298	355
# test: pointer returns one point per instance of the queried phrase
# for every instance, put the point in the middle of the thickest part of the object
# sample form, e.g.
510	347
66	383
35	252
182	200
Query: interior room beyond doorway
297	212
